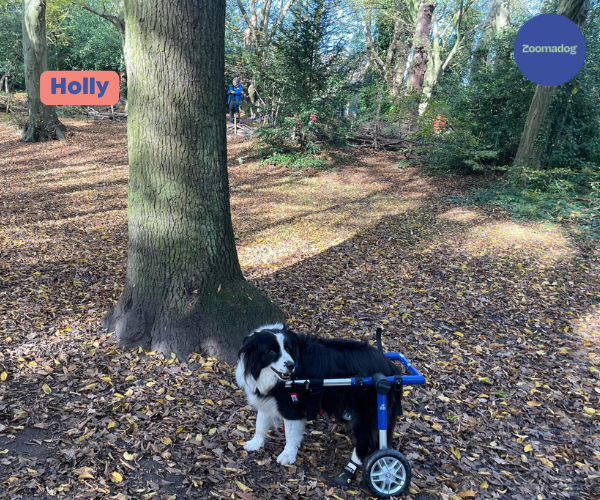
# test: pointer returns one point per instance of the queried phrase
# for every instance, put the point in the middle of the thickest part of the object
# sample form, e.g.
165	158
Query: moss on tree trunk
184	289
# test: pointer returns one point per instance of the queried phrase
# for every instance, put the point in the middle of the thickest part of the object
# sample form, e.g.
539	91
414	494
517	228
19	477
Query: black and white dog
270	355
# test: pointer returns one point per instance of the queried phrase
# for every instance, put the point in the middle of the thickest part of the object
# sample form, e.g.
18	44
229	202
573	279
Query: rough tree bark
421	44
43	123
184	290
529	154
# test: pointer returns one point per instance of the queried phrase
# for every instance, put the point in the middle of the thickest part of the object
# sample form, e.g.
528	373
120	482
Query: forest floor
502	317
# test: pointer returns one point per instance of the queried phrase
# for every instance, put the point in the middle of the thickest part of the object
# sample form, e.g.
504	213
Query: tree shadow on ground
488	309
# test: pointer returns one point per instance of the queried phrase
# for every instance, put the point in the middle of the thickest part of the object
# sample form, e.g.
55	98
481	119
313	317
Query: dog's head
269	355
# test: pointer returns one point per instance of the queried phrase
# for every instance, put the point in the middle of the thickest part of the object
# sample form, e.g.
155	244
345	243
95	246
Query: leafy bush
11	46
85	42
485	115
294	160
304	75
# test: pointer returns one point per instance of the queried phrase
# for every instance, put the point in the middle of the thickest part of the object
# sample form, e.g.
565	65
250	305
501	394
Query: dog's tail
378	339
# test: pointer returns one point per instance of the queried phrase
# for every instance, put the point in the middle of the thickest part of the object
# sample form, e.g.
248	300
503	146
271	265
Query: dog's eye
271	351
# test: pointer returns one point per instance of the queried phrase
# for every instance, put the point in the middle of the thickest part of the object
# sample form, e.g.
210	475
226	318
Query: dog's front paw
254	444
287	457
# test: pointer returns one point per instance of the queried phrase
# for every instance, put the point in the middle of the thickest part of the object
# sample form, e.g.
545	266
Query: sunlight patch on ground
545	240
462	214
307	235
588	326
280	223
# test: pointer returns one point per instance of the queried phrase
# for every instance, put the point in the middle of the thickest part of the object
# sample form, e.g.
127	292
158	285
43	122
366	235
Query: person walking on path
234	99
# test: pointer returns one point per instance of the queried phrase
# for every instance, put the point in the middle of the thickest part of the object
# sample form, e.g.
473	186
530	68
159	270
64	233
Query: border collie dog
271	354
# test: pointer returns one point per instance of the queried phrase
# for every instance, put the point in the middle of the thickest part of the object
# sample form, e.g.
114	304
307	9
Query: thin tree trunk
497	19
43	123
396	71
184	290
393	67
421	44
435	67
529	154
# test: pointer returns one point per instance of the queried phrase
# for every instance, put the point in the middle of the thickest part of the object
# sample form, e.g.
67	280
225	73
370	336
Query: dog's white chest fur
268	413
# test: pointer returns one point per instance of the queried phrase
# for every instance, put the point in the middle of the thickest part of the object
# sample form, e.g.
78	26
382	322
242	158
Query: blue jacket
238	93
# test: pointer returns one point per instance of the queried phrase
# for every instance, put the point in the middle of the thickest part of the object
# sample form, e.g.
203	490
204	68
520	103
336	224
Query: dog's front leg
294	432
263	424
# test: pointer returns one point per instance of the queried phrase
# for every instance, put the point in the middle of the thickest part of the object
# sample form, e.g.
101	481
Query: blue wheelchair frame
415	378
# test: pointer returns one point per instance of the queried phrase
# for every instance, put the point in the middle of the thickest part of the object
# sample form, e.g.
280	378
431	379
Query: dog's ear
251	356
295	344
248	344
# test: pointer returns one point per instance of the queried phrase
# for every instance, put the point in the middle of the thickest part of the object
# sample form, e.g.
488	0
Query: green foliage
85	42
485	117
302	80
558	203
294	160
76	39
11	45
234	47
485	114
375	100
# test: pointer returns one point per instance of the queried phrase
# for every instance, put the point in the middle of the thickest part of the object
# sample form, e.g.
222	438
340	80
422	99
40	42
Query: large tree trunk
397	53
421	44
497	19
43	123
529	154
184	289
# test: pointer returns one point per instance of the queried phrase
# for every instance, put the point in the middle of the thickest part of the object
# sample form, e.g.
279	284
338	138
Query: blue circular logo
549	49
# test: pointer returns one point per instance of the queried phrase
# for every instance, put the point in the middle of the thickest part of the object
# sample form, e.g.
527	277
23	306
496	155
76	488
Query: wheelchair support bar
415	378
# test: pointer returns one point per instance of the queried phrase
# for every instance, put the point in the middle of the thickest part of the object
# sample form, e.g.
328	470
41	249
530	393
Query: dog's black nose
290	365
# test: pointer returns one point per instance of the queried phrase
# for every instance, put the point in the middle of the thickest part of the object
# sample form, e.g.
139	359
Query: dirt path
502	318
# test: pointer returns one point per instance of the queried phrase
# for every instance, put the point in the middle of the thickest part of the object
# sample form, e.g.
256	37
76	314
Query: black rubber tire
373	464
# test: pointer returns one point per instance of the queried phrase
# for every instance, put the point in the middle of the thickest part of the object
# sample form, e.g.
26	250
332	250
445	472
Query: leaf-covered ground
502	318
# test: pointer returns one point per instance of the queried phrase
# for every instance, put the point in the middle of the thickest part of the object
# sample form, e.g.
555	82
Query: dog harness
310	396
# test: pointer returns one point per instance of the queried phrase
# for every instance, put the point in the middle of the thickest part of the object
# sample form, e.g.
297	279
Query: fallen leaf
115	477
242	486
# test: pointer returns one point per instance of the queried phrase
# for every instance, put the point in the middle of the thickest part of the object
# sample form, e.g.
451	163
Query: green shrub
302	81
294	160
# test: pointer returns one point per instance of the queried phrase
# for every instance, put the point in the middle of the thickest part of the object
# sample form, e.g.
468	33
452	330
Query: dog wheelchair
386	472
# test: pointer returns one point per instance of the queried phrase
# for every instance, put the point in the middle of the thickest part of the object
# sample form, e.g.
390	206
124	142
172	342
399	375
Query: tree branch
118	23
245	15
280	17
377	61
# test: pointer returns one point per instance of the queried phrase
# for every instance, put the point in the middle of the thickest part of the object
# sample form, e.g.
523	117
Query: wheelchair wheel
386	473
